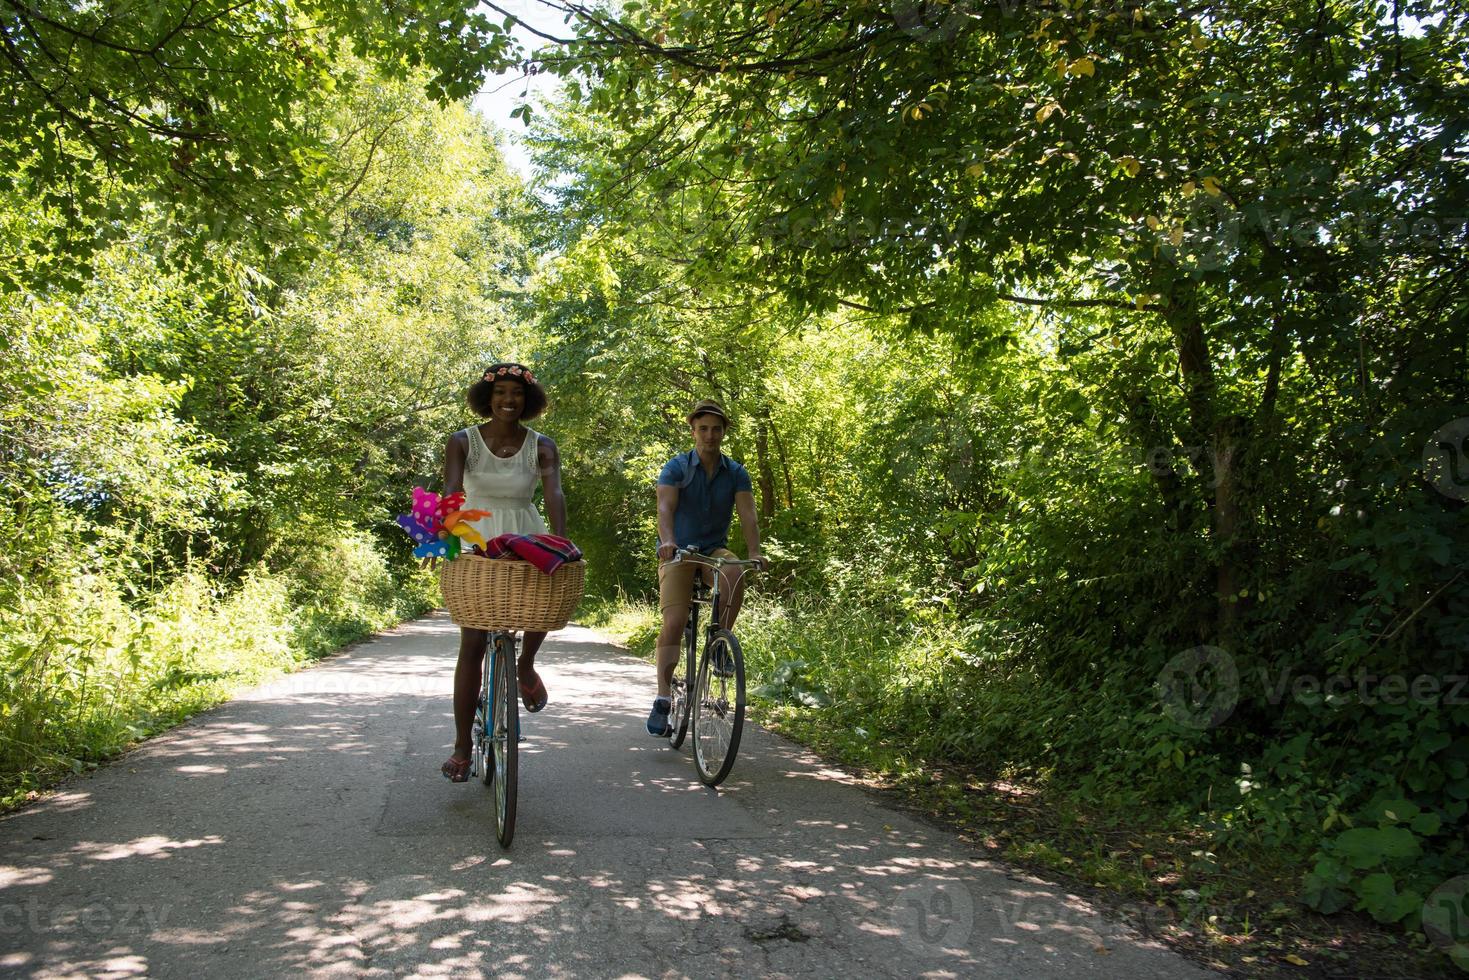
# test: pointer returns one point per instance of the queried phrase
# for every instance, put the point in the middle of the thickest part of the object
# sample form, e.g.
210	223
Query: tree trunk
1148	430
1230	442
1223	441
762	463
785	467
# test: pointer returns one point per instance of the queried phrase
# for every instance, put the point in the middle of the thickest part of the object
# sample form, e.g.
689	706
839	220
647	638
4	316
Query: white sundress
503	486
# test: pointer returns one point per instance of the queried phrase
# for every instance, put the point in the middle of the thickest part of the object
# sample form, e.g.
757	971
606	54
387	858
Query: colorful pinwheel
440	525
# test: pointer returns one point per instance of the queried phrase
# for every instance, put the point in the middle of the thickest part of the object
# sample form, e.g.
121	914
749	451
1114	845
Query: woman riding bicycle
497	464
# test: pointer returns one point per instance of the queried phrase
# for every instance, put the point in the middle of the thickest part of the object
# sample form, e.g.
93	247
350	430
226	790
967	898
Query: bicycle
505	598
494	755
711	697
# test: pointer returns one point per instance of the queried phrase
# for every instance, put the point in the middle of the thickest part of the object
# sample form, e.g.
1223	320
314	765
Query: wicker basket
502	594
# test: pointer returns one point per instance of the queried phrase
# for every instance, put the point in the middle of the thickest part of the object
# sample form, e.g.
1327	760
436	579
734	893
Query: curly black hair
479	392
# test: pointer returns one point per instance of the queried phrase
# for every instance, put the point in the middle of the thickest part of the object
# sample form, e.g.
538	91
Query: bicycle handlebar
698	558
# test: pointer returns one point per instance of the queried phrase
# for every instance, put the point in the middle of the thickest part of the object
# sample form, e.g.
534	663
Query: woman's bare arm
455	454
549	459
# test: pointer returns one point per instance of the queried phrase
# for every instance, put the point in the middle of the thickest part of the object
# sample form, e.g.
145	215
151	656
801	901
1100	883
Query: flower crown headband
511	371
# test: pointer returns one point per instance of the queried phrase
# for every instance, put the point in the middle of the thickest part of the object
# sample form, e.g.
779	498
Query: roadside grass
842	685
87	670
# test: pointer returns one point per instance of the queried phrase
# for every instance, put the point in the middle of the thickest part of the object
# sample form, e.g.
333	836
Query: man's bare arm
750	525
667	504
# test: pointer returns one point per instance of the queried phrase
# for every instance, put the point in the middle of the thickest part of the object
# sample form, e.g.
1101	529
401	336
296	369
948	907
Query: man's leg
731	590
530	644
670	639
675	589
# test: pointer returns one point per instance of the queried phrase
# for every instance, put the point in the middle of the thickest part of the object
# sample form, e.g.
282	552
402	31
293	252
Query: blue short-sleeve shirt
705	503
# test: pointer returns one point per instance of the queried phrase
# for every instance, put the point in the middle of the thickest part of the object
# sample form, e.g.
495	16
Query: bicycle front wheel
718	707
482	755
506	736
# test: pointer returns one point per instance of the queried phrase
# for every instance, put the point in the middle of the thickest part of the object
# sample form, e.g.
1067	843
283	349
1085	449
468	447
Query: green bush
88	665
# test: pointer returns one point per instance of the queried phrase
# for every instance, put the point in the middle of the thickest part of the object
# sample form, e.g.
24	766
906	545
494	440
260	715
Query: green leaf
1368	847
1426	824
1379	897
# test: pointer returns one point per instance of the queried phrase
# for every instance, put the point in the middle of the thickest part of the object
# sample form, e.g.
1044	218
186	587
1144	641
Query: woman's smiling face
507	400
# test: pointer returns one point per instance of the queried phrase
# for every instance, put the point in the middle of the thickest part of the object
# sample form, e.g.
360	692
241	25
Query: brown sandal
533	695
456	770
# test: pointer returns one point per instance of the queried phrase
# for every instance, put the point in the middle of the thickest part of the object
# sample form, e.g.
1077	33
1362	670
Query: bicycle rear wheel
505	736
718	707
679	692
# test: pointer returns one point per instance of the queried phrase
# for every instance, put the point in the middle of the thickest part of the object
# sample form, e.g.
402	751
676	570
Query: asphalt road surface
304	829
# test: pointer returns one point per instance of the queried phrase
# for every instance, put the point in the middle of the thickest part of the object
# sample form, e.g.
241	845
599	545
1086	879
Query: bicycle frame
721	694
718	565
494	755
501	647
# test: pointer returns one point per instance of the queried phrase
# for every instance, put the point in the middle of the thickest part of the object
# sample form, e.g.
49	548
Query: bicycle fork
497	660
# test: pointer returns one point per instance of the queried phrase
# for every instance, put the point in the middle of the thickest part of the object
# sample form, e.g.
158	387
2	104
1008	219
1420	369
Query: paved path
304	829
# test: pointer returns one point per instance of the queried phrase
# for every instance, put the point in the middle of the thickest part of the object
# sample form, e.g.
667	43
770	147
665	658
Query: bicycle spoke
504	736
681	691
719	707
481	763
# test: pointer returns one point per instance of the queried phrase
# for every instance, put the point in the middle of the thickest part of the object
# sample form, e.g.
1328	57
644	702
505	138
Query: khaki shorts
676	580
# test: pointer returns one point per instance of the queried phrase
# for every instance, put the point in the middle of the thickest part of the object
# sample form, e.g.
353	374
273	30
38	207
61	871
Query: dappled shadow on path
304	829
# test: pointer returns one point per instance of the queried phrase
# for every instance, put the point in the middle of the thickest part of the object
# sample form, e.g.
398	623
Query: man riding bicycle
698	491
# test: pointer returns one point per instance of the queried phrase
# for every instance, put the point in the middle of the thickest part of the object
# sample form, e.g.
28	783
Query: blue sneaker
658	725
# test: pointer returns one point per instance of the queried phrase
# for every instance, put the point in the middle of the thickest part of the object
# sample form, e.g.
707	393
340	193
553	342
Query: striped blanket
545	551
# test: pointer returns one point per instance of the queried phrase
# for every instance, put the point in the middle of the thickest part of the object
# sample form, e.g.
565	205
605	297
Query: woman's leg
467	677
532	691
530	644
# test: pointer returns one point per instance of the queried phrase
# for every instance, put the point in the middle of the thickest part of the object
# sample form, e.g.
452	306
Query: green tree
1194	278
198	468
198	115
1234	176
